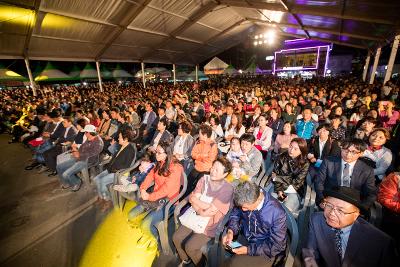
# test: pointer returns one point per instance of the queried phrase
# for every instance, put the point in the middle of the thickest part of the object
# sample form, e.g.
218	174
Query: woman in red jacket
166	176
389	197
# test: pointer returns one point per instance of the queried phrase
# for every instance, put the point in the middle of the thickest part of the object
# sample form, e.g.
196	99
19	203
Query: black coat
331	148
362	179
122	160
367	246
289	172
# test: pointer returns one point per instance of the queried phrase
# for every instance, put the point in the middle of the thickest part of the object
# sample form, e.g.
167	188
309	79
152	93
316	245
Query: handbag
191	220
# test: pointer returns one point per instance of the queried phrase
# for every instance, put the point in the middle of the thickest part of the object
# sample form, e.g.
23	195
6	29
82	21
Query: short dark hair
246	193
127	134
226	163
326	126
248	138
206	130
358	144
115	109
371	120
165	121
186	126
81	122
216	118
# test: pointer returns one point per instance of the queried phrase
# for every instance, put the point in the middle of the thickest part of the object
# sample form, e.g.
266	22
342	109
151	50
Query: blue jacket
264	229
305	129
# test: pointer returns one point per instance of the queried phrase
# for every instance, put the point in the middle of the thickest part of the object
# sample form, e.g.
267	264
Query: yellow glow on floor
115	244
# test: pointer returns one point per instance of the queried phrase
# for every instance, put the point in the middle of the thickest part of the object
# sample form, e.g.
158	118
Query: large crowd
339	136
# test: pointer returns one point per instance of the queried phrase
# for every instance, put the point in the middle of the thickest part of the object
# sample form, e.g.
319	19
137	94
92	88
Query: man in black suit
320	148
226	117
348	171
339	237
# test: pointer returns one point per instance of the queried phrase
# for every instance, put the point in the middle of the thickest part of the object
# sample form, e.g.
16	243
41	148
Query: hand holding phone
233	245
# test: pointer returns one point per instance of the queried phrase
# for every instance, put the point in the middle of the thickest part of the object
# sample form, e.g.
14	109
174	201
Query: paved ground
41	225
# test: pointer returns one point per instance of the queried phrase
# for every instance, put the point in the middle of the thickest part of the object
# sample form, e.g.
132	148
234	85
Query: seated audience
259	223
338	236
119	161
203	154
211	198
306	126
251	160
166	176
321	147
289	174
81	158
263	135
380	156
349	171
235	128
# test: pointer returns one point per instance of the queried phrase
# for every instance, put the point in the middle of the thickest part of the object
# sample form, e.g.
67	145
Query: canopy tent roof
89	72
230	70
120	73
50	73
215	66
181	31
9	75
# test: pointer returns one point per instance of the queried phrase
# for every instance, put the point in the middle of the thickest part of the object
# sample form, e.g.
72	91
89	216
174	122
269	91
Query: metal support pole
366	66
393	54
99	76
197	73
174	71
143	75
376	60
32	82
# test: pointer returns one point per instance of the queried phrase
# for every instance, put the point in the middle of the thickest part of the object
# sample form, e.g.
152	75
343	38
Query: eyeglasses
351	152
339	212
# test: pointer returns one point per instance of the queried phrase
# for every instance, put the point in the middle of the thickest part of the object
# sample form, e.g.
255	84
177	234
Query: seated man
251	160
347	170
338	236
261	220
81	158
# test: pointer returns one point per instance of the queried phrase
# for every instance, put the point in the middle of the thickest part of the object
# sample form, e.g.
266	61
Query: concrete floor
41	224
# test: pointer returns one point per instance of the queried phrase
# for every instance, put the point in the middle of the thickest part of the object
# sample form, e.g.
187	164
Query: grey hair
246	193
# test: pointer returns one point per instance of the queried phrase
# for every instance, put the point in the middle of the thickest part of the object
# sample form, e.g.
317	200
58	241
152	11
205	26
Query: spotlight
255	43
256	37
259	42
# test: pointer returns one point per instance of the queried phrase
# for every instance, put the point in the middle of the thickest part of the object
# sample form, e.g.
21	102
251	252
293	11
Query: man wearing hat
87	154
338	236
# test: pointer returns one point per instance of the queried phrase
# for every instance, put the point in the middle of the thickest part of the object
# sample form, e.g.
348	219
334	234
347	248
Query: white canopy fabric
50	73
230	70
88	72
181	31
6	74
215	66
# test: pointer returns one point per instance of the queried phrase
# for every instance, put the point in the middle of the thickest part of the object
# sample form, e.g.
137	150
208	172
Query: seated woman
234	154
166	176
183	143
235	128
203	154
380	155
119	161
161	134
219	193
283	139
289	174
131	184
263	135
217	131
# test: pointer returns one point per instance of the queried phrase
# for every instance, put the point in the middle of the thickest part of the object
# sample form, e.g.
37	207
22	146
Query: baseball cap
89	128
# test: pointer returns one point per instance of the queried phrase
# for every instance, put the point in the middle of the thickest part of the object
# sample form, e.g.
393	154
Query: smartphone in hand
233	245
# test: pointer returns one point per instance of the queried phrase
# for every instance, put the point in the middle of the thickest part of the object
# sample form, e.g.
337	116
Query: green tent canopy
50	73
9	75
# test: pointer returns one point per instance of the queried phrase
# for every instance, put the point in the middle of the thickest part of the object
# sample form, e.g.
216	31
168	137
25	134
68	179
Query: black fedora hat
347	194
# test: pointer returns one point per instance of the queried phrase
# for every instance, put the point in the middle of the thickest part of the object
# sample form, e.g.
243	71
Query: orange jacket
204	153
164	186
389	192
